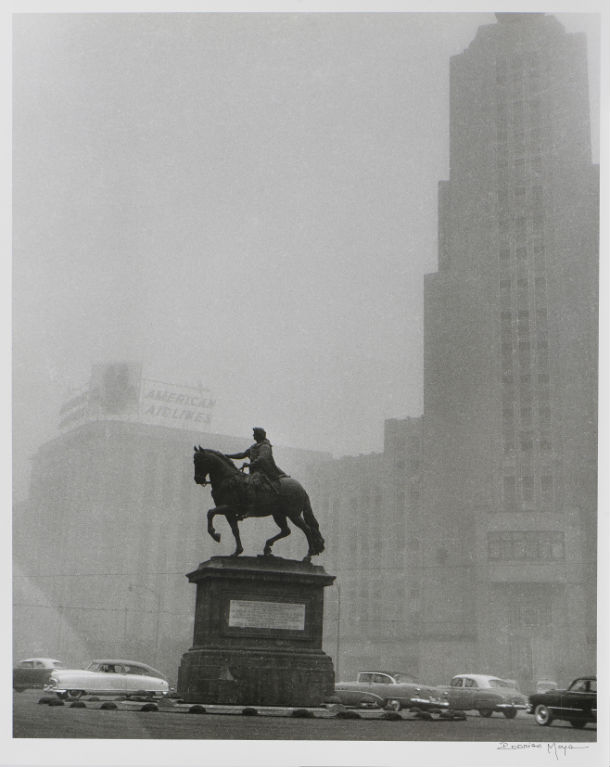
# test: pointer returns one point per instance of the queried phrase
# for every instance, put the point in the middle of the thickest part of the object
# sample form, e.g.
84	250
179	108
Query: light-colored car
544	685
485	694
392	690
33	672
108	676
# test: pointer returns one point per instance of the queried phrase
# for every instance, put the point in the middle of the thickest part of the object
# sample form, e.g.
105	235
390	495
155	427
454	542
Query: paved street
34	720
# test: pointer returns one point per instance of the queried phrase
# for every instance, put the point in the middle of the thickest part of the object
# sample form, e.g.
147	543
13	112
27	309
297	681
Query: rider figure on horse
264	472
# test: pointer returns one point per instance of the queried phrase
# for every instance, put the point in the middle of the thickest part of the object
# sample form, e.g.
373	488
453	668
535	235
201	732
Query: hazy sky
242	200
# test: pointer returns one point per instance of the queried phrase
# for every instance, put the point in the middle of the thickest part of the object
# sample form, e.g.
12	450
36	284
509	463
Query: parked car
544	685
388	689
33	672
485	694
108	677
576	705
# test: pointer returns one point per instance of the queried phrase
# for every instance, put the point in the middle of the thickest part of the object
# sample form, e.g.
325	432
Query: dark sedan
33	672
576	705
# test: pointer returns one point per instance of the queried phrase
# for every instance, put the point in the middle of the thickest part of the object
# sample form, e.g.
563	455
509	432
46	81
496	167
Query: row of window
520	195
543	379
525	442
528	545
523	492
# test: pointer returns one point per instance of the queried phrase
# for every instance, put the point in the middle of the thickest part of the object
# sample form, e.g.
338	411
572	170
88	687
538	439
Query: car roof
383	671
486	677
124	662
48	660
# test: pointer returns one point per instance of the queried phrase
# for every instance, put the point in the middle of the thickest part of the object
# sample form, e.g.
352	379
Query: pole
338	648
156	653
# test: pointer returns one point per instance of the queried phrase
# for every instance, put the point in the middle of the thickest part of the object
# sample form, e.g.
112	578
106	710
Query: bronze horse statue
230	493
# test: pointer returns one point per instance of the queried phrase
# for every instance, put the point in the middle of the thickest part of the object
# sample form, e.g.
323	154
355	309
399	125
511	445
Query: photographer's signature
555	750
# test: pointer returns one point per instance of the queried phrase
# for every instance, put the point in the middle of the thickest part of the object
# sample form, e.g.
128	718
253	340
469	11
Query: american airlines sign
170	404
117	391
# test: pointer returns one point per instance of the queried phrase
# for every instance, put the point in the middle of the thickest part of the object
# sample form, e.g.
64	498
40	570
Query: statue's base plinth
258	634
255	678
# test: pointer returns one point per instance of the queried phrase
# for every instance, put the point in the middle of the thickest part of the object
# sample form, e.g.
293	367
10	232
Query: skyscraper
510	364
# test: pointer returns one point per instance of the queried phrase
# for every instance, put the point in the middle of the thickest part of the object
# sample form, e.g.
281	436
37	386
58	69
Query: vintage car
33	672
544	685
108	677
392	690
576	705
485	694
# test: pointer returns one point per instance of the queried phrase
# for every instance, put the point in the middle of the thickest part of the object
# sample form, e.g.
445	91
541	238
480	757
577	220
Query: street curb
333	711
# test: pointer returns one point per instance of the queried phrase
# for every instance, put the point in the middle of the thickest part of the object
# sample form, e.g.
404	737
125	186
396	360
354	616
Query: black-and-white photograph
305	373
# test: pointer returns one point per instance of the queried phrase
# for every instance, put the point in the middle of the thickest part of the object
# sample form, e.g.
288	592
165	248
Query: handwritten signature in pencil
555	750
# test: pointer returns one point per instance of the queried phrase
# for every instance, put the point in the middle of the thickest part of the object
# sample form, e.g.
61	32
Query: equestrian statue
265	491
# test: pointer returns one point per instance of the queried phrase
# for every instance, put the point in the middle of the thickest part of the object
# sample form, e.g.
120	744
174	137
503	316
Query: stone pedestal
258	634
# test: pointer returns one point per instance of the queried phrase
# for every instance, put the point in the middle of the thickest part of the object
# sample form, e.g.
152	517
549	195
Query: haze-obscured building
114	521
371	507
510	369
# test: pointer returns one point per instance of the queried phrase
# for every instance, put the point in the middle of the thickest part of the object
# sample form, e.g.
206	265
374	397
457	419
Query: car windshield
499	683
584	685
58	664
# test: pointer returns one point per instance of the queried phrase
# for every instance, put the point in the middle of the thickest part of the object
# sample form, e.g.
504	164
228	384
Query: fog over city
245	201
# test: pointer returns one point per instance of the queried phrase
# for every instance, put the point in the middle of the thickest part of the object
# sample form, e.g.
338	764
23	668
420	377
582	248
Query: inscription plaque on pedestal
258	634
266	615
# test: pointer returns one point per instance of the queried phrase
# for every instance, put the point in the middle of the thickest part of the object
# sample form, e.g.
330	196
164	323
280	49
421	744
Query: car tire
578	723
485	712
511	713
392	705
75	694
19	689
542	715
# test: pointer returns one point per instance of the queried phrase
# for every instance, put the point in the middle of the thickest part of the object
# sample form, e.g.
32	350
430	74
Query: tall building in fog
510	364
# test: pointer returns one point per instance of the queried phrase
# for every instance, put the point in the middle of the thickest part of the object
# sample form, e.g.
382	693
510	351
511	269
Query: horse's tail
312	523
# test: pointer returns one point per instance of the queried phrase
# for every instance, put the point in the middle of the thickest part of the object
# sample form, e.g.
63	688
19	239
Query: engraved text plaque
266	615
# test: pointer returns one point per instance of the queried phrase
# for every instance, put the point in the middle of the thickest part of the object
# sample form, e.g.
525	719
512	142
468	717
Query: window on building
441	556
509	493
546	489
530	545
527	488
544	414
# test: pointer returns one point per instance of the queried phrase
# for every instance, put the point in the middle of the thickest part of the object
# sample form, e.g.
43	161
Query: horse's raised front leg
211	514
280	521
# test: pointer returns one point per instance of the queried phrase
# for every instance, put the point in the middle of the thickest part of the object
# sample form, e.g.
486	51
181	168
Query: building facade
510	365
113	523
371	506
